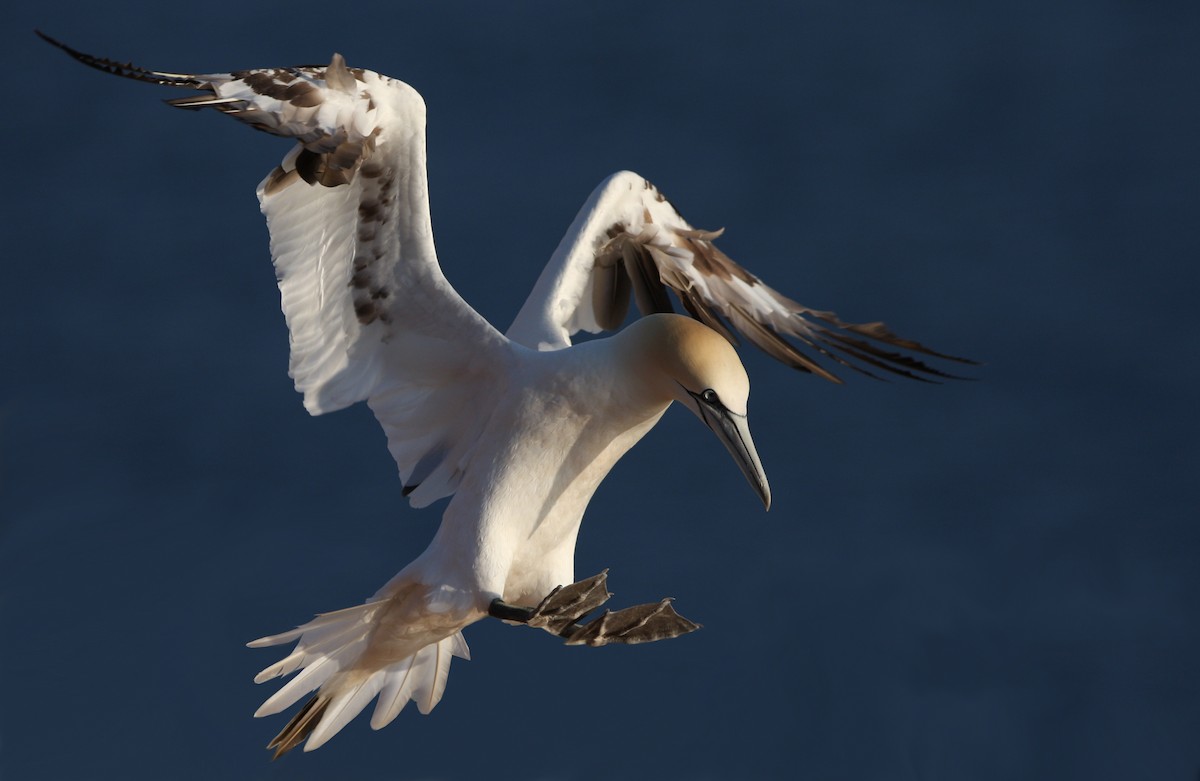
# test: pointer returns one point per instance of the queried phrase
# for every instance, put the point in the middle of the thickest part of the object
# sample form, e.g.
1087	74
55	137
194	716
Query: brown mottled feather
330	161
370	279
695	304
710	260
856	346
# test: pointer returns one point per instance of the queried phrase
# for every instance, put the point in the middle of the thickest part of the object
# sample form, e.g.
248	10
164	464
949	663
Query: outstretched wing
629	240
369	313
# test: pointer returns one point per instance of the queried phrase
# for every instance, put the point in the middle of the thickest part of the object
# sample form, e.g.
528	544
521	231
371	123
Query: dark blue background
987	580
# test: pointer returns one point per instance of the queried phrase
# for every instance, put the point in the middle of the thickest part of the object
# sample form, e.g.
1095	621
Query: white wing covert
628	239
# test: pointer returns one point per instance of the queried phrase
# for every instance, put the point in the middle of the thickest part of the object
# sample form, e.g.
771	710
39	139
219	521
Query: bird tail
330	658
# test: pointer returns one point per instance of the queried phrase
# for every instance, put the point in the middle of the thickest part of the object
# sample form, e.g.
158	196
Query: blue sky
994	579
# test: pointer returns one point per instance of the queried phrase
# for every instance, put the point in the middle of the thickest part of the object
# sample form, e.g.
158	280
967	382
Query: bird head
695	366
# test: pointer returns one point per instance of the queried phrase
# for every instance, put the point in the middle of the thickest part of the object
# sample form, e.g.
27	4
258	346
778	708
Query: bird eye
710	396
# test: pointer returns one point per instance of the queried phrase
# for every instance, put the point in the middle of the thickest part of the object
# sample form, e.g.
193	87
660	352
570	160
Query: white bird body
558	422
510	529
519	429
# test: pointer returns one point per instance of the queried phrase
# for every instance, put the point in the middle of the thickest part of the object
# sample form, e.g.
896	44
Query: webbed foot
563	608
638	624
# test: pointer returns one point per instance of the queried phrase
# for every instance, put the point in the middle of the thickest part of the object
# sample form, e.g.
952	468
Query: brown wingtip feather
300	727
125	69
856	346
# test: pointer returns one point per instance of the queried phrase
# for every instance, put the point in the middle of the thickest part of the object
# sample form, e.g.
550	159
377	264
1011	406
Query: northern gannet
519	427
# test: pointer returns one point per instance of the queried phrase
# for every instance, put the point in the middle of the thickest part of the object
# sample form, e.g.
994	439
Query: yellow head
686	361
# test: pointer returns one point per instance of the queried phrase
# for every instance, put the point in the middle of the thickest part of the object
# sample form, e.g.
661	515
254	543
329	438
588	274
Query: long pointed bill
734	432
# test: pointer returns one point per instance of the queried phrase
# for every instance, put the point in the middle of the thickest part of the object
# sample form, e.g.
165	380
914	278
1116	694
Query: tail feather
420	678
330	619
322	644
396	693
328	657
345	706
299	727
432	685
459	647
313	677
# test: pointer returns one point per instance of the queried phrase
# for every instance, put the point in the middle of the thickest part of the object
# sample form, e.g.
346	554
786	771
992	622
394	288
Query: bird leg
560	613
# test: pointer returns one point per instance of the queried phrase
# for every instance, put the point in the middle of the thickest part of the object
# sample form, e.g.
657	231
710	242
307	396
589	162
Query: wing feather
369	313
628	226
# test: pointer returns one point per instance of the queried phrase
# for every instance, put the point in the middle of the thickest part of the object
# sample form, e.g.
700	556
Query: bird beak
734	433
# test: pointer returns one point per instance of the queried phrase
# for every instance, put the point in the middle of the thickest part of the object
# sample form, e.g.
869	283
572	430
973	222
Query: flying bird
519	427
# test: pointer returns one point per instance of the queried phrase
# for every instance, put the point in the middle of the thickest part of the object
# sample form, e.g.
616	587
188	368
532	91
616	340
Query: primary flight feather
519	427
